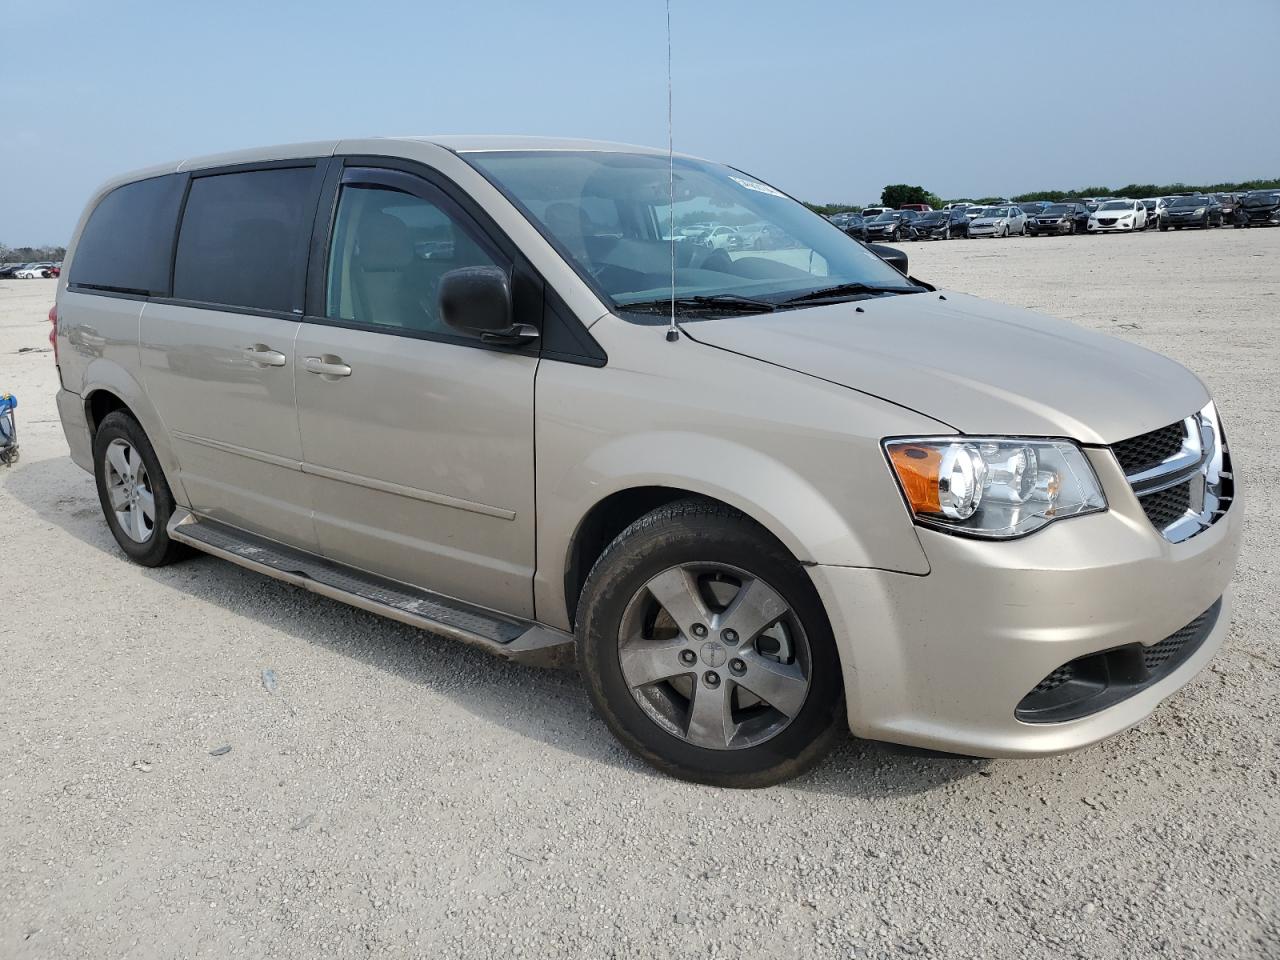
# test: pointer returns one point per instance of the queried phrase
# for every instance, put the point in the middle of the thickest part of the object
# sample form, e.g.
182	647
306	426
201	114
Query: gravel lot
400	795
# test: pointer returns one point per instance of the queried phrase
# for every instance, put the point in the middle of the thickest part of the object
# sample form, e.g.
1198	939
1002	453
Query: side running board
509	637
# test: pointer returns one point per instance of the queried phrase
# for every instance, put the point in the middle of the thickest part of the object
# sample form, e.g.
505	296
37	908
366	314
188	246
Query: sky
829	101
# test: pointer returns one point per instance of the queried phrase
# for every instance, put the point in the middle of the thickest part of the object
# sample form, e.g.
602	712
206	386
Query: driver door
417	440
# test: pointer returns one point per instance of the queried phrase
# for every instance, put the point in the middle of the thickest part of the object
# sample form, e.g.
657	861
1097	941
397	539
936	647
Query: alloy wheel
715	656
129	491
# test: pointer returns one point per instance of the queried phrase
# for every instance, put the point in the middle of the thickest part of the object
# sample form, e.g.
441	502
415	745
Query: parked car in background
1229	202
918	207
1261	208
1032	208
854	225
998	222
764	236
7	270
33	271
1152	206
872	212
1193	211
1059	218
942	224
1118	216
893	225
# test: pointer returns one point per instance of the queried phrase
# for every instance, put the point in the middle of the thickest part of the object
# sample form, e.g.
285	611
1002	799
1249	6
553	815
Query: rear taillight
53	332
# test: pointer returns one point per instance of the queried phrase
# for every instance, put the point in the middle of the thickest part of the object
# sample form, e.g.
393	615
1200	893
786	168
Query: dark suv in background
1261	208
851	223
1197	210
1059	218
942	224
894	225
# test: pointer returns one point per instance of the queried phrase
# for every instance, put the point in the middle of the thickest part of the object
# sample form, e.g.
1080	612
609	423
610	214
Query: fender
764	488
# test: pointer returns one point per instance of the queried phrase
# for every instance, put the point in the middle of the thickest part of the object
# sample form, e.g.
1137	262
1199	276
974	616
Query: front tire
706	650
134	494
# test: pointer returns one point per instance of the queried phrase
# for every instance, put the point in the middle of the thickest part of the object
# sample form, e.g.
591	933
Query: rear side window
127	243
243	239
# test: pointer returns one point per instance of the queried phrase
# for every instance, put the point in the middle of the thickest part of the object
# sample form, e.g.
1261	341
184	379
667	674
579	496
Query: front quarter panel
800	456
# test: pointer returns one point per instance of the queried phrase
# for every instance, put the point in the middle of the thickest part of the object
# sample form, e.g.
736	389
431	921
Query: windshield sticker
757	187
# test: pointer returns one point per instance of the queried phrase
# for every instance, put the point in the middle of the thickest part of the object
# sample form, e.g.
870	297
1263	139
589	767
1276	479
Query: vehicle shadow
547	705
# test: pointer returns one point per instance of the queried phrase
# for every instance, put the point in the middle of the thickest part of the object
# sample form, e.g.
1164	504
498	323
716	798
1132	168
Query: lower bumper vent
1100	680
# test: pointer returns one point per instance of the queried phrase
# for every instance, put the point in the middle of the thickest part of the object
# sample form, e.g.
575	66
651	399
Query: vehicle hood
978	366
986	221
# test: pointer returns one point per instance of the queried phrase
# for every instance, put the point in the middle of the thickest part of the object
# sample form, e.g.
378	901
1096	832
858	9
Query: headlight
993	487
1199	211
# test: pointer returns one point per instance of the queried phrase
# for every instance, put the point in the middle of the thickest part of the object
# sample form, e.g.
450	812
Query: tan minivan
508	390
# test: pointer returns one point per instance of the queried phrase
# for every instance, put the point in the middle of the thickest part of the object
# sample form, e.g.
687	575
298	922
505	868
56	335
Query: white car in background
998	222
32	271
1118	216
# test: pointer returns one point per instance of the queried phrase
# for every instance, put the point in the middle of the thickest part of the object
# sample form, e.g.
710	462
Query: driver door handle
326	366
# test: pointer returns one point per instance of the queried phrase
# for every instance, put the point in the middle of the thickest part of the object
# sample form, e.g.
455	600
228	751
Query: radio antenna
673	332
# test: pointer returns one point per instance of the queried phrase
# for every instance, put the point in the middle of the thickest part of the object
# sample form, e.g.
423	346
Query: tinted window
243	239
127	242
389	251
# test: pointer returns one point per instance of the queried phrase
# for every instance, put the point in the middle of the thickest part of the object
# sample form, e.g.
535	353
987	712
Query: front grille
1166	506
1099	680
1106	221
1150	449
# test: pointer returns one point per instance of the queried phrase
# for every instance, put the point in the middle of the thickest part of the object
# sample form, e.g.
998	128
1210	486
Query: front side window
610	215
388	253
243	239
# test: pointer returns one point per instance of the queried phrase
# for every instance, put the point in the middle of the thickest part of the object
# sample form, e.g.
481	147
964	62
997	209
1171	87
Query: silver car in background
998	222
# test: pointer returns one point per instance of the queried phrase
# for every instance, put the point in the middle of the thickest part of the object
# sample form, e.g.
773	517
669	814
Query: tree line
896	194
31	254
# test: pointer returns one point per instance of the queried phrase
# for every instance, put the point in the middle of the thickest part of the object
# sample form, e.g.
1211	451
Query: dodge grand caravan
475	385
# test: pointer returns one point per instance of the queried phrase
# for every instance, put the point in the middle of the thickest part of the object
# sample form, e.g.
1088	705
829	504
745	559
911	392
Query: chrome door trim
412	493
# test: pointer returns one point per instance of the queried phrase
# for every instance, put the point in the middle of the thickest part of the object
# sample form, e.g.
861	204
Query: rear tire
135	497
726	563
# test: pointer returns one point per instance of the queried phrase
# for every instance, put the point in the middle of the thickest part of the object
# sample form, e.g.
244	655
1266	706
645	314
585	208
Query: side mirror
890	255
477	300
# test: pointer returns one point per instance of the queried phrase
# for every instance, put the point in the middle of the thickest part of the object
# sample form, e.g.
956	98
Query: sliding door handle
264	356
327	366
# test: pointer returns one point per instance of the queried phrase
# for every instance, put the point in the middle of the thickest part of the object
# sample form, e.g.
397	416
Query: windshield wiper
719	301
843	290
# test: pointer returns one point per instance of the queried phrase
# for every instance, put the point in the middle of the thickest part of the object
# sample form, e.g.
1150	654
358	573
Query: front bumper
983	230
942	661
1111	227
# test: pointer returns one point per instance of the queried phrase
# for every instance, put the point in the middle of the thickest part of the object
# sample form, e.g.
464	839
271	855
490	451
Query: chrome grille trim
1203	465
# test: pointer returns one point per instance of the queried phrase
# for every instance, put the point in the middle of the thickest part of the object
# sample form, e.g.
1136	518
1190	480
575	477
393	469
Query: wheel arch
769	493
108	387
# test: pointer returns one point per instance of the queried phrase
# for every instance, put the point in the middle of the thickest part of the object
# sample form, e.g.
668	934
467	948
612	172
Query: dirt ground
395	794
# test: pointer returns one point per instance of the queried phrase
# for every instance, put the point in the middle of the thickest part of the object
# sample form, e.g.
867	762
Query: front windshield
1116	205
996	213
934	217
886	217
1189	202
609	214
1261	199
1057	210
